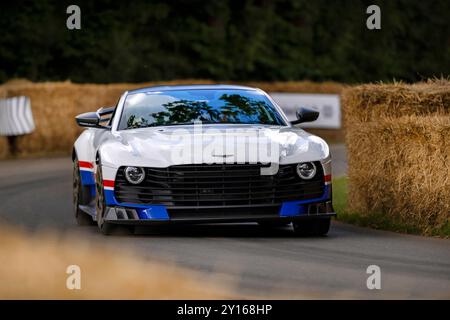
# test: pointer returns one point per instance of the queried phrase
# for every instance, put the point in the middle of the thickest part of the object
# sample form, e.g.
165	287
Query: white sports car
200	154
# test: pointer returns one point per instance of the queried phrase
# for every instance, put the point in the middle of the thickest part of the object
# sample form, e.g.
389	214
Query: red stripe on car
108	183
328	178
85	164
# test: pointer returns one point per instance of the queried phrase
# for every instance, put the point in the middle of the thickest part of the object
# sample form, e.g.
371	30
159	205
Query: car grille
226	188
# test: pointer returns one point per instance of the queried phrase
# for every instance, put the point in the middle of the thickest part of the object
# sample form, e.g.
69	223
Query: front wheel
313	227
80	197
100	207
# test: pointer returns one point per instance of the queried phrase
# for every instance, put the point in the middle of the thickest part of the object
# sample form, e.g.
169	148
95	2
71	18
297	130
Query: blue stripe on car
144	211
87	177
299	207
154	212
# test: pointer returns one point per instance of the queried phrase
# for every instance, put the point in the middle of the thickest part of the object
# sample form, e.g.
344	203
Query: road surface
37	194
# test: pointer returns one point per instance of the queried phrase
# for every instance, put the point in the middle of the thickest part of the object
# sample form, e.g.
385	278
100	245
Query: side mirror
88	119
95	119
305	115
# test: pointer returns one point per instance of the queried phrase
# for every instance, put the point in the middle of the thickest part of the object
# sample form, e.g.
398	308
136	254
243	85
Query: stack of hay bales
398	139
55	105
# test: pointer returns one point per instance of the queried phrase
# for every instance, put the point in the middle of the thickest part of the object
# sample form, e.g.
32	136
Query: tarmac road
37	194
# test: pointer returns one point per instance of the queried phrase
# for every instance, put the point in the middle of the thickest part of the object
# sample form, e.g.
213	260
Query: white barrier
328	104
16	117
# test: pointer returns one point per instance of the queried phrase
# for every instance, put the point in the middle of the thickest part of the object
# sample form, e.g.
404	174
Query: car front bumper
158	215
125	210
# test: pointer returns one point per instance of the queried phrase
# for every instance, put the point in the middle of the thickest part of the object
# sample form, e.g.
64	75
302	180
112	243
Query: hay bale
55	104
3	141
399	152
371	102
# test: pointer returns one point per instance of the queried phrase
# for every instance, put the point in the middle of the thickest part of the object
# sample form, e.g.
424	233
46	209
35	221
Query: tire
100	209
80	196
100	204
315	227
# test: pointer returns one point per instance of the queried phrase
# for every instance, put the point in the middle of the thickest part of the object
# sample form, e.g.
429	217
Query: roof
191	87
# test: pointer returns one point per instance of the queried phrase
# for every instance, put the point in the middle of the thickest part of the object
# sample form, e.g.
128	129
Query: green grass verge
374	220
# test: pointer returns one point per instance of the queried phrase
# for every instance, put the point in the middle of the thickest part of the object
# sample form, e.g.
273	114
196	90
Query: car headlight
306	170
134	175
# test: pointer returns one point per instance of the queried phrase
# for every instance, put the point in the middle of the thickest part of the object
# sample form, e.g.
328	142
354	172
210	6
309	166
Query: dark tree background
134	41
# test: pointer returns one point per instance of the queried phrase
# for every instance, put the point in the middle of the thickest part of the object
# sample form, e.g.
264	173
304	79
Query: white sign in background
328	105
16	117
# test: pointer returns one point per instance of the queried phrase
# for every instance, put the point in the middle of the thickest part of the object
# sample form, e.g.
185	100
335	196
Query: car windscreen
180	107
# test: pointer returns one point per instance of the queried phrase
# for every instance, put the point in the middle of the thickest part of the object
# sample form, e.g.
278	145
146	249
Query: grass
373	220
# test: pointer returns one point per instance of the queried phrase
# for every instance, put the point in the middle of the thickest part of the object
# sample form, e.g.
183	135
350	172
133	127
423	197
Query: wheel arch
83	147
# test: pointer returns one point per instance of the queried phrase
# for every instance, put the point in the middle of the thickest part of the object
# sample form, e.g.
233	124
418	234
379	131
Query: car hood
165	146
